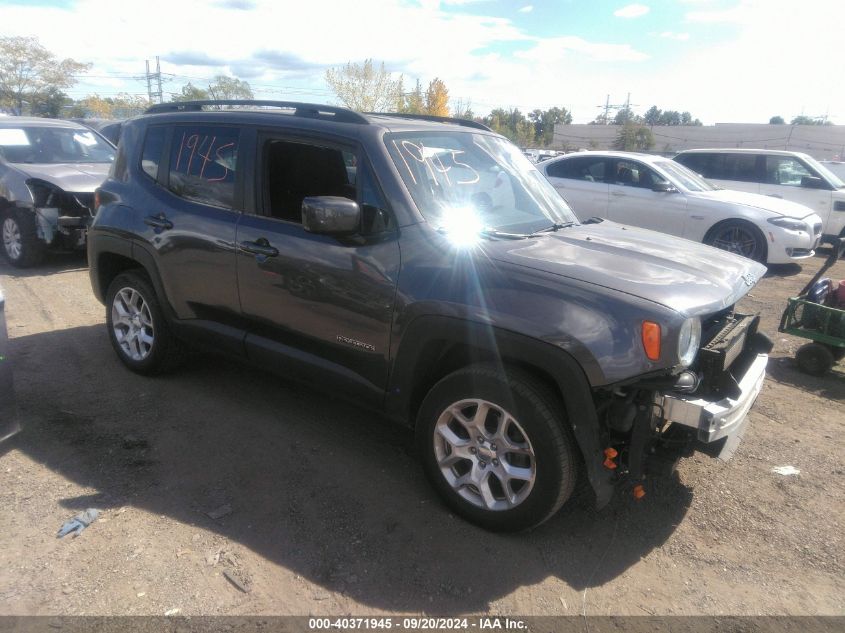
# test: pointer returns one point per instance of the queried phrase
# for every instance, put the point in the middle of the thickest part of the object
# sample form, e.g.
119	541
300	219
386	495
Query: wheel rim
132	324
12	238
737	239
484	454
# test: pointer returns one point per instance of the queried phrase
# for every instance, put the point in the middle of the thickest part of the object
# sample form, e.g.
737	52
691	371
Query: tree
224	87
49	103
363	87
634	137
191	93
776	120
652	116
120	107
463	110
808	120
625	115
545	121
437	98
28	71
414	102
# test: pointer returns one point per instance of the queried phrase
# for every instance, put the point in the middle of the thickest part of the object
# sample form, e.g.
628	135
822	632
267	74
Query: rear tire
137	328
21	245
814	359
497	448
740	237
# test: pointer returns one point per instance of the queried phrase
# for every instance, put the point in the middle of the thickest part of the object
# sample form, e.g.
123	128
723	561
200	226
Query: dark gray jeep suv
423	267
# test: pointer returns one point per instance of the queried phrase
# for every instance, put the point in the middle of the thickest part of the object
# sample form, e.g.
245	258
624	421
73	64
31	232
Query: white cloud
681	37
632	11
528	8
557	48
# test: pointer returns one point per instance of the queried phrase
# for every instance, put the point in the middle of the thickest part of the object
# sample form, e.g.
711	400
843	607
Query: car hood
685	276
758	201
71	177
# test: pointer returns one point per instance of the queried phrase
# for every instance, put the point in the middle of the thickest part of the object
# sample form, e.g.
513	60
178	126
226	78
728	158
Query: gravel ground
227	491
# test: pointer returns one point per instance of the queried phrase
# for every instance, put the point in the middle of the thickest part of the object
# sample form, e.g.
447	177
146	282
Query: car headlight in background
689	339
789	223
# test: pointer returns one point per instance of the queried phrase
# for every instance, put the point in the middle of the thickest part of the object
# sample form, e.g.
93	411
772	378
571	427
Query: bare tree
363	87
28	71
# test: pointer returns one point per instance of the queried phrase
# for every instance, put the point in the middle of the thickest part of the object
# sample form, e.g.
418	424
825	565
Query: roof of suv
740	150
313	112
646	158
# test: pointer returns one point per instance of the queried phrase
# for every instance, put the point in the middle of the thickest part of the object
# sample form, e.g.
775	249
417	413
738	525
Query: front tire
740	237
497	448
137	328
21	245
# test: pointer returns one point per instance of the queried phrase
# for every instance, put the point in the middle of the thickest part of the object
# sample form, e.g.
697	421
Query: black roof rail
432	117
308	110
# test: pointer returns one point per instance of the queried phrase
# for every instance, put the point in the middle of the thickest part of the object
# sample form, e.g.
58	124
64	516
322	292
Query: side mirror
664	187
331	215
813	182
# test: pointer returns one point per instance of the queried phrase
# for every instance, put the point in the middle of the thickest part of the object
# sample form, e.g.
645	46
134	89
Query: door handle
618	194
260	247
158	222
775	195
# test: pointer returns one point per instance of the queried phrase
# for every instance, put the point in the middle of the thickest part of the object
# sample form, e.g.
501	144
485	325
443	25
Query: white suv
657	193
780	174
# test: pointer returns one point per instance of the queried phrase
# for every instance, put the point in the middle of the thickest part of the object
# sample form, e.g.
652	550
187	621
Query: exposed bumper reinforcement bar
724	418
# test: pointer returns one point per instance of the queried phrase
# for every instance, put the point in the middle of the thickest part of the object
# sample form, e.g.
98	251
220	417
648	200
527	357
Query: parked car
779	174
48	173
526	349
656	193
9	424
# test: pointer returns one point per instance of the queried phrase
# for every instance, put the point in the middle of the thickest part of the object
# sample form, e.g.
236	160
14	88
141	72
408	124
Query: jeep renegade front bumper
714	420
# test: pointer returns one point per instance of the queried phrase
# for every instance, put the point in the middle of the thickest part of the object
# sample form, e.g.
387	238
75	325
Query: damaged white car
49	170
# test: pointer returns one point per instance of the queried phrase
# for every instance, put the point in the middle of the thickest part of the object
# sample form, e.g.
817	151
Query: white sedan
656	193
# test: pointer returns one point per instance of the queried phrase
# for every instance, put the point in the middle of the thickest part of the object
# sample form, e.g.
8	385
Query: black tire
740	237
540	422
814	359
164	352
28	249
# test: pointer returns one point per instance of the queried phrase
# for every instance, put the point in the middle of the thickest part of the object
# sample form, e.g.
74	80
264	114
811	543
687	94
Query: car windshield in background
832	178
53	145
464	174
686	178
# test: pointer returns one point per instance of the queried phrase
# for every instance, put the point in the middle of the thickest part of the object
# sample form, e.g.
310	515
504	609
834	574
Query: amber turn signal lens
609	464
651	340
610	452
639	492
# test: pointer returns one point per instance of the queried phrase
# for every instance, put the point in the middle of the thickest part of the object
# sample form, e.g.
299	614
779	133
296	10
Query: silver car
49	170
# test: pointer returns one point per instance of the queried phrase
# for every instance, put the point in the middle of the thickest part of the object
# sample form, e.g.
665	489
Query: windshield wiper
493	233
557	226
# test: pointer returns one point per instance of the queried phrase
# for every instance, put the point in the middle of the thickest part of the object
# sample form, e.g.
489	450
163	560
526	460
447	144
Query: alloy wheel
12	238
737	239
484	454
132	324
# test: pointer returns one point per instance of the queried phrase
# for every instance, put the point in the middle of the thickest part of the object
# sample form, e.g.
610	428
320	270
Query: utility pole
154	97
618	106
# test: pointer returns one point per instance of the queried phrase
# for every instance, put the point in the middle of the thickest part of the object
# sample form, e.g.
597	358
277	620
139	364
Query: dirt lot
328	512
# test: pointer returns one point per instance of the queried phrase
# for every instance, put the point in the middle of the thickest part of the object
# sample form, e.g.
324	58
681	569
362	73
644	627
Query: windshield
53	145
458	174
828	175
683	177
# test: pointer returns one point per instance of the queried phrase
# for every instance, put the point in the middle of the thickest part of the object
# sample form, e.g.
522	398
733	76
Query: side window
118	167
293	171
629	173
590	169
694	162
742	167
785	170
151	153
204	164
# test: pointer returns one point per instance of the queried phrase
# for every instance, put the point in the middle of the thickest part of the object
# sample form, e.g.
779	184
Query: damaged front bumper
714	420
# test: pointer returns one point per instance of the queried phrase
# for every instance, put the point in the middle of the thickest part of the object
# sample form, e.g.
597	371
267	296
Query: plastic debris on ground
786	470
78	523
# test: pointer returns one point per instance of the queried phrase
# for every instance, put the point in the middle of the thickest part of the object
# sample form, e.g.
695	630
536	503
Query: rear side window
204	164
151	154
591	169
742	167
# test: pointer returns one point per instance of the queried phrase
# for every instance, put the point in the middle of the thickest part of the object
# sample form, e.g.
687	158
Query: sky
721	60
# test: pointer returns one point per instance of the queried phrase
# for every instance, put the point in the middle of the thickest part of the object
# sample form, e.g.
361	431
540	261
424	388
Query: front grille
817	229
725	342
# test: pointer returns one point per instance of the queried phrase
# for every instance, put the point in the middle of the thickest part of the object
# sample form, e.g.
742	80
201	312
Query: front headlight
789	223
689	340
